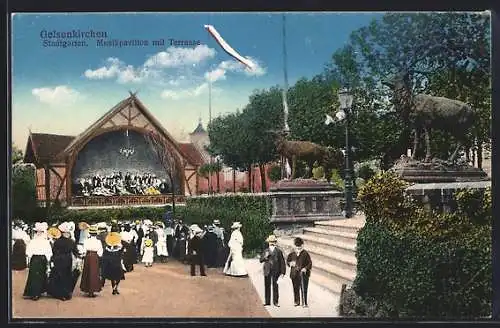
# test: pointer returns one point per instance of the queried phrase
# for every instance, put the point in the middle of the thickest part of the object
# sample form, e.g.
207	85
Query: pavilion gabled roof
43	148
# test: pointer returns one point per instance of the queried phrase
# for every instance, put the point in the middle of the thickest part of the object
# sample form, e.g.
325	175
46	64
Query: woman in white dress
235	265
161	244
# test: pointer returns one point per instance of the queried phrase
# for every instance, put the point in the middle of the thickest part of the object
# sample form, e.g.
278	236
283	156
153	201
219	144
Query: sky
62	90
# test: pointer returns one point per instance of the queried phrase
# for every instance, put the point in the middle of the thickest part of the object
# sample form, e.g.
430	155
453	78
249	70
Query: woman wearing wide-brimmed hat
20	240
63	278
39	253
91	282
112	264
129	255
235	265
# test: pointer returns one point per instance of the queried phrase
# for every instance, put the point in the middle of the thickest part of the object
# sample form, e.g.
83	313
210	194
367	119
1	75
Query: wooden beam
62	184
47	189
187	184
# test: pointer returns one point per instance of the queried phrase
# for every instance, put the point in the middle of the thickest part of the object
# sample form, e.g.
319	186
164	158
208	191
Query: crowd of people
56	256
122	184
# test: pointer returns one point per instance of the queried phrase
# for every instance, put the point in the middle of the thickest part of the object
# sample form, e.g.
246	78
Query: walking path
164	290
322	303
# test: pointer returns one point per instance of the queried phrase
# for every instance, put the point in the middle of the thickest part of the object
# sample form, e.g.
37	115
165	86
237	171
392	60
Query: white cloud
236	67
115	68
184	93
178	57
60	95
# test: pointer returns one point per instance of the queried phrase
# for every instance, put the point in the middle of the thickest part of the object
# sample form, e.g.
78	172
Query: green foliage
252	211
336	180
105	215
365	172
17	155
23	192
415	276
383	201
318	172
274	173
413	262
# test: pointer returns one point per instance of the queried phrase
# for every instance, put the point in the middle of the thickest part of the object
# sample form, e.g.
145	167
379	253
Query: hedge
252	210
418	263
413	276
106	215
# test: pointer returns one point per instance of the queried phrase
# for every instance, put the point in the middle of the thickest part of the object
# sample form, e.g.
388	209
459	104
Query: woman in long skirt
235	265
39	253
129	255
91	282
112	263
62	280
18	258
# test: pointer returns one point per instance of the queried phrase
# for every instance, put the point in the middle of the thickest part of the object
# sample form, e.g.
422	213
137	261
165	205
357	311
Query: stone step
344	248
352	225
321	254
333	272
326	282
331	234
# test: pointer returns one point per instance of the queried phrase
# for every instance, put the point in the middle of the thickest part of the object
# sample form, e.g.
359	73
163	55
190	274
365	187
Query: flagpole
286	129
209	113
285	76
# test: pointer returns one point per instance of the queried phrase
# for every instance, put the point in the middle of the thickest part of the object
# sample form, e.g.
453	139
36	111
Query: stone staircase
332	246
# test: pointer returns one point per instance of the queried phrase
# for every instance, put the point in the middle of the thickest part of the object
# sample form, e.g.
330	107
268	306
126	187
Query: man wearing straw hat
39	253
274	267
92	247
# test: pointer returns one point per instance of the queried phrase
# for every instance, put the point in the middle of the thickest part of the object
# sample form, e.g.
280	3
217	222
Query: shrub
413	262
24	193
97	215
253	211
418	277
383	200
318	172
274	173
365	172
336	180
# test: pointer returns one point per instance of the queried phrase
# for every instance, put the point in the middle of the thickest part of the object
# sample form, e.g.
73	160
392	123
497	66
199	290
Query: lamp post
346	99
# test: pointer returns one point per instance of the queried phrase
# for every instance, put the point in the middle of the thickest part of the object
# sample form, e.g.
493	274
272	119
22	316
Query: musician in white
235	265
39	253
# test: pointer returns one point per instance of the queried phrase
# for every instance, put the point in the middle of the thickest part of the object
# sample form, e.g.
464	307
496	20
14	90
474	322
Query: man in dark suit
274	267
195	251
300	265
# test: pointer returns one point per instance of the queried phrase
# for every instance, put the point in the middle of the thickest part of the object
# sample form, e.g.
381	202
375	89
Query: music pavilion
114	144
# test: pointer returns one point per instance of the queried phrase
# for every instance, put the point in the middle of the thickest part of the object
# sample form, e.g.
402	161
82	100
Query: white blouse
39	246
92	244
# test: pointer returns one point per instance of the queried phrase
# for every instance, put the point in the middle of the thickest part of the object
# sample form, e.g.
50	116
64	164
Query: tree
23	191
166	156
263	114
17	155
447	54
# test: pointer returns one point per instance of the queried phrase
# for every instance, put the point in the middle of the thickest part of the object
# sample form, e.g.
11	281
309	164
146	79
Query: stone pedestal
437	171
439	196
299	203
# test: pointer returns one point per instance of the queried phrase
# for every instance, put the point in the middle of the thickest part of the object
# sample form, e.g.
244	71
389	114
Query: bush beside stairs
332	246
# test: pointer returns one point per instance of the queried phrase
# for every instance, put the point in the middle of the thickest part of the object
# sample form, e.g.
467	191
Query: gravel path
164	290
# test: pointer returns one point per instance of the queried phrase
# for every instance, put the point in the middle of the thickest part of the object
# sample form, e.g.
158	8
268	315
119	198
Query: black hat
298	242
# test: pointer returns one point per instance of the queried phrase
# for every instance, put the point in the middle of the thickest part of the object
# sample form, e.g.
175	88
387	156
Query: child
147	252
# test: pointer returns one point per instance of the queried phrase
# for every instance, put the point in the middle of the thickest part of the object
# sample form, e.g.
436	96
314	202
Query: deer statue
309	152
424	113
